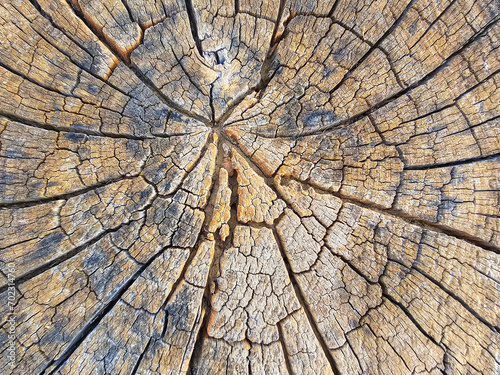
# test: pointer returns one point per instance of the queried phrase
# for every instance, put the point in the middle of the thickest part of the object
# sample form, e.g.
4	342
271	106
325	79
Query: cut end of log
249	187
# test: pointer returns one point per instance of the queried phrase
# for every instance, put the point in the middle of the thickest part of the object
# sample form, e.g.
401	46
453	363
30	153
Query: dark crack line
177	134
131	17
40	85
187	264
201	237
455	163
141	357
191	80
196	162
57	363
348	343
211	102
199	319
437	19
387	295
288	364
115	54
15	244
302	300
90	132
291	275
375	45
214	269
255	15
194	25
249	364
164	98
331	13
268	181
267	72
424	224
66	196
410	316
44	14
138	73
384	102
452	294
455	100
68	255
220	122
347	262
201	336
143	267
465	305
433	112
278	21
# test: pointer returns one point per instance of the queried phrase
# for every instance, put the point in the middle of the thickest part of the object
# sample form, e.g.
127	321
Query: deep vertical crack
288	364
194	25
331	13
141	356
211	102
214	269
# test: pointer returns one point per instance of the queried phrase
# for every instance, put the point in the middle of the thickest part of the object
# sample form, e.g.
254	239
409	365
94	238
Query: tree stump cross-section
250	187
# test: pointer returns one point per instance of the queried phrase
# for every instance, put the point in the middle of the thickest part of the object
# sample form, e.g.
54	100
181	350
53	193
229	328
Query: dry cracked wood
250	187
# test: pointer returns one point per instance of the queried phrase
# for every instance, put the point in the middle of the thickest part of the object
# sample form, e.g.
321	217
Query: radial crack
194	26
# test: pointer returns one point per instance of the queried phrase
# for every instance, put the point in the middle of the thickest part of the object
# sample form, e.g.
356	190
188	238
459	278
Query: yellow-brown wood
250	187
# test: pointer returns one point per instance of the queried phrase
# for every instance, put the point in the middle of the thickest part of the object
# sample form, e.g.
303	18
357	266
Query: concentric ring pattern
250	187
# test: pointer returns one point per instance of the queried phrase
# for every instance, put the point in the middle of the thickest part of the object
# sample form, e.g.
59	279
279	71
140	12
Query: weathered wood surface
250	186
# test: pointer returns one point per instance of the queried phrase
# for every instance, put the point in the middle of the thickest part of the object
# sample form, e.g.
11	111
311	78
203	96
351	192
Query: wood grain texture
250	187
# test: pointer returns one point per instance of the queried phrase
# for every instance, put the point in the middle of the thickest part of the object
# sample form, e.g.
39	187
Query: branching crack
270	70
300	296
